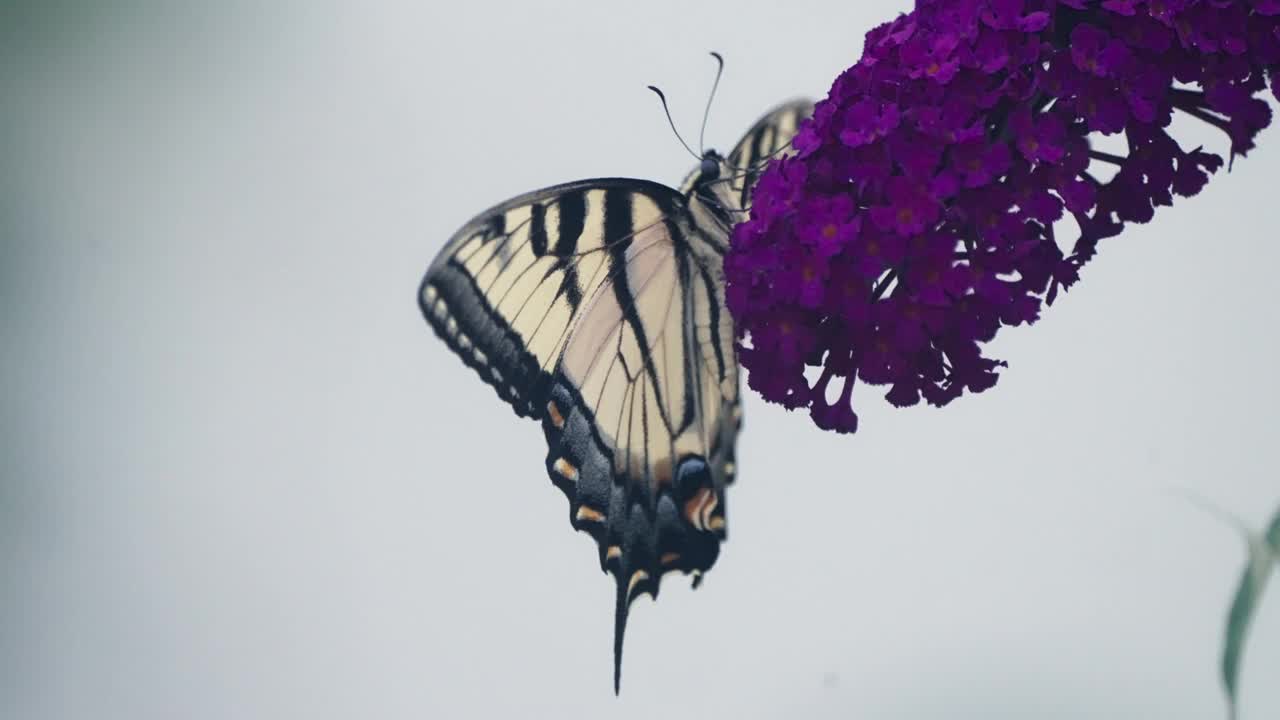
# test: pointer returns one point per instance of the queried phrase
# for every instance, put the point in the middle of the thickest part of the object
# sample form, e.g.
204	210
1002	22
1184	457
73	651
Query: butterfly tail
619	629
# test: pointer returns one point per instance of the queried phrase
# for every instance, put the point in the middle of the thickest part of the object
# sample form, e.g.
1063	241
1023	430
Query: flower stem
1201	114
1107	157
1182	97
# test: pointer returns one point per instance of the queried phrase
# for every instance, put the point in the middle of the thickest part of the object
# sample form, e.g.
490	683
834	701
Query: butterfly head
710	167
709	185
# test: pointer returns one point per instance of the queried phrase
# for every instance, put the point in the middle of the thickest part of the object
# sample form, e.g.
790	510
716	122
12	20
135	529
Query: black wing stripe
618	222
597	351
619	234
573	217
719	219
713	332
691	410
618	228
677	288
567	329
766	140
753	157
538	229
644	420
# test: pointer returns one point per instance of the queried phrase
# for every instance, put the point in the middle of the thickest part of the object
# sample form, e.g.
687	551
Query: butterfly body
597	307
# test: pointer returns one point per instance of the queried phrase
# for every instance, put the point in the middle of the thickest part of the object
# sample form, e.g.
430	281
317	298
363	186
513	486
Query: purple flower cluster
928	196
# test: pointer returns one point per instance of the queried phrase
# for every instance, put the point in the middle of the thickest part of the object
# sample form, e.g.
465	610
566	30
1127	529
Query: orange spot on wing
553	412
637	577
566	469
693	508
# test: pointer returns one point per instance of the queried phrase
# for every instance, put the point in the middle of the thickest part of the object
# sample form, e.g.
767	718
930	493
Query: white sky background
241	478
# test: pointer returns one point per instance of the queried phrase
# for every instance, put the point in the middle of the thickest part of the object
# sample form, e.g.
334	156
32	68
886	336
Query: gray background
242	479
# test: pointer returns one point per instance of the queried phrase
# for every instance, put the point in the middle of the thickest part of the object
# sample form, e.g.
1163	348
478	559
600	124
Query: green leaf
1273	534
1264	553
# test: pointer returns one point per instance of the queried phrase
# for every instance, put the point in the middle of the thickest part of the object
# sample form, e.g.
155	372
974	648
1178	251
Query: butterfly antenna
707	112
764	160
663	98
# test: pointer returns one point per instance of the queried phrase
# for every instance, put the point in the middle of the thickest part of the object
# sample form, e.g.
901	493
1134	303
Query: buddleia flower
920	212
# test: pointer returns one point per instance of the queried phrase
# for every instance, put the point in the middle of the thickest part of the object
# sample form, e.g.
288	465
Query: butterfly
597	308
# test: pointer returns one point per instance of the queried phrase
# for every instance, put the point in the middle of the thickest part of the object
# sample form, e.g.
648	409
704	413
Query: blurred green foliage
1264	554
